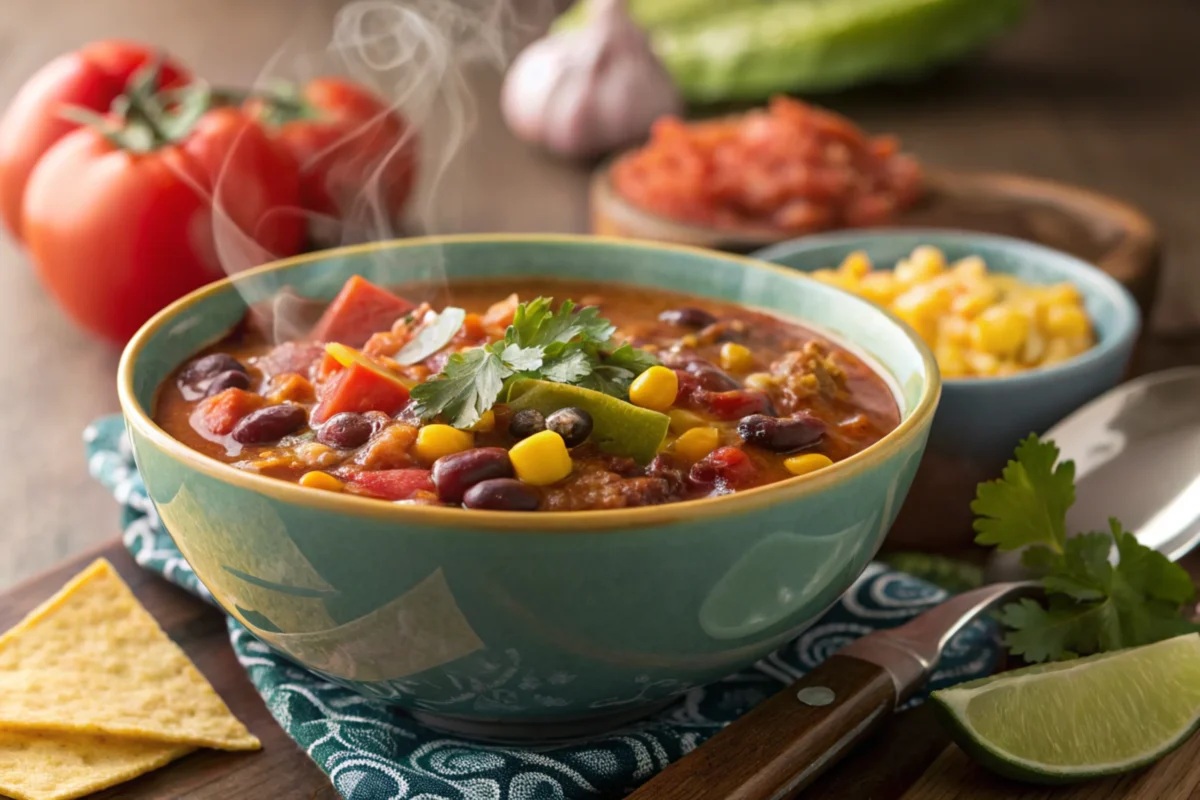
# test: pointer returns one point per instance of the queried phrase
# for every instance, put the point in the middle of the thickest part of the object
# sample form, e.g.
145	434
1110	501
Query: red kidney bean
735	404
345	431
209	366
501	494
687	317
269	424
378	420
781	435
725	467
454	474
712	377
229	379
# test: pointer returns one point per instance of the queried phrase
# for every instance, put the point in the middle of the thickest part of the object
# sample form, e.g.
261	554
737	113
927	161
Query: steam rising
418	56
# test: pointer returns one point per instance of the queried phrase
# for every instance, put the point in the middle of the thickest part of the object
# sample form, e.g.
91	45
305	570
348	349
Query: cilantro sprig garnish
1092	605
564	346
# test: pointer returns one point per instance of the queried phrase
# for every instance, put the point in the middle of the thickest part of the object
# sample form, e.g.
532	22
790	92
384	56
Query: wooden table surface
1095	92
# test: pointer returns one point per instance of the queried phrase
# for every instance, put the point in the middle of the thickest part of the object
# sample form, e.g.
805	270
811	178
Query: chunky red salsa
790	166
618	397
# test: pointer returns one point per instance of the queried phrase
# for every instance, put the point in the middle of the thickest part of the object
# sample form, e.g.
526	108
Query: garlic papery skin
585	92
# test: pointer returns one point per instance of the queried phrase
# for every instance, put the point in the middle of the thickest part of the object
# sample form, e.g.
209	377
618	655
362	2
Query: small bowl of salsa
407	463
745	181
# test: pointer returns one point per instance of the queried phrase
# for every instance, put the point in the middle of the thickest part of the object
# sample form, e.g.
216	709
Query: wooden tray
909	759
1101	230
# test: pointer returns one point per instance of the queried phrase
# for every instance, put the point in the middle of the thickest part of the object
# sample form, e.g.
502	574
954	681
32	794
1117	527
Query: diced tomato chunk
393	484
221	412
725	467
360	309
735	404
295	357
359	388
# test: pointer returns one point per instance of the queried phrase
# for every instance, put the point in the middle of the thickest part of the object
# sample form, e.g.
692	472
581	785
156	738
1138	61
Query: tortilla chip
57	766
92	660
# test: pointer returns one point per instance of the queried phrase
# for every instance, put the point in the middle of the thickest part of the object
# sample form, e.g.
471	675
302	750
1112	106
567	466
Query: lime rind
1123	687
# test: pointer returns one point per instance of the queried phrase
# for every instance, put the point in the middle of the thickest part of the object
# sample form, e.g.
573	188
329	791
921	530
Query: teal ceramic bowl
527	626
980	420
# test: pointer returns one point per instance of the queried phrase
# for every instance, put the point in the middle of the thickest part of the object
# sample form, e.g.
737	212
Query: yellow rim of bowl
541	521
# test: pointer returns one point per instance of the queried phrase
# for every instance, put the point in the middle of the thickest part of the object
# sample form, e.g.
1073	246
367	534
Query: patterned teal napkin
371	751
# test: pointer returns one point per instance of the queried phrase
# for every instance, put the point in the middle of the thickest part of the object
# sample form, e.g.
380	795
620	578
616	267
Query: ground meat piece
388	449
594	486
298	357
808	371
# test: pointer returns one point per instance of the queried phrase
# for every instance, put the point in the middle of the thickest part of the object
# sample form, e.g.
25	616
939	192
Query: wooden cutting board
910	759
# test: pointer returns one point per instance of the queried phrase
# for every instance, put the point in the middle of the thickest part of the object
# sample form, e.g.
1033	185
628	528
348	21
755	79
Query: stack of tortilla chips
94	693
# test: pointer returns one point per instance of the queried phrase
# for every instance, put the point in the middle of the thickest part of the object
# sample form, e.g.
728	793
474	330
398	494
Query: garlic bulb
587	91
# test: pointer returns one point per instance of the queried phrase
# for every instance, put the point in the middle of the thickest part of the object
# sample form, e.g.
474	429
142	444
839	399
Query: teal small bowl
980	420
541	626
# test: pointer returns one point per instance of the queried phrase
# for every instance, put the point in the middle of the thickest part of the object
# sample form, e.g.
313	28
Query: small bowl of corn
1023	336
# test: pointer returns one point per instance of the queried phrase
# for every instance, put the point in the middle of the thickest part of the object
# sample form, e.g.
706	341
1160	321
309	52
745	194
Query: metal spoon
1137	458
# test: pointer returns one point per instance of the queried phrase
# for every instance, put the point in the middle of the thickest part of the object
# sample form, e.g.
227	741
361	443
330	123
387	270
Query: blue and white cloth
371	751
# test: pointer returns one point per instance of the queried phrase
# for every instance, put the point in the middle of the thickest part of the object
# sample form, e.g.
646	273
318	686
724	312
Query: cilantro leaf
466	387
569	366
1092	605
1028	505
564	346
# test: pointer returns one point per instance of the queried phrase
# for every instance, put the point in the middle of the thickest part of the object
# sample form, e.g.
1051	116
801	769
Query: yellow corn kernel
683	420
970	268
826	276
486	423
1057	350
321	480
856	265
1064	294
654	389
1066	321
953	330
736	358
920	307
983	364
806	463
760	381
1000	331
878	287
1034	349
696	443
951	361
922	264
435	441
976	299
541	459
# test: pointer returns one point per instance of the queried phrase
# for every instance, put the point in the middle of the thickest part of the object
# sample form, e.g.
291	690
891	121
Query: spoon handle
784	743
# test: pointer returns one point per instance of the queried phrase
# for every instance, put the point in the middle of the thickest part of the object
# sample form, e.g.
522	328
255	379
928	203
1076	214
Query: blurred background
1097	93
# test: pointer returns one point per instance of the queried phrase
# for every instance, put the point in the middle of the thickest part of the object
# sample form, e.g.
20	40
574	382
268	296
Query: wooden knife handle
783	744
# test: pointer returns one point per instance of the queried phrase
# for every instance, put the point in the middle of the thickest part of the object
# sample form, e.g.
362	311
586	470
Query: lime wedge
1064	722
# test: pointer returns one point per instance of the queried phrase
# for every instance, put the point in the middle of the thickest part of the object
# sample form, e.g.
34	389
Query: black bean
345	431
501	494
687	317
454	474
712	377
269	424
781	435
574	425
209	366
526	423
229	379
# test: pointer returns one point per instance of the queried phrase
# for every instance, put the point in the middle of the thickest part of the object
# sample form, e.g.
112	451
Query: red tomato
116	235
349	145
92	78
